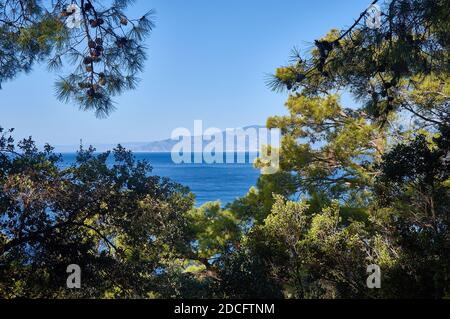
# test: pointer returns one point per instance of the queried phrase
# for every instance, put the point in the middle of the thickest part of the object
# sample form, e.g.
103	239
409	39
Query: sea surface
209	182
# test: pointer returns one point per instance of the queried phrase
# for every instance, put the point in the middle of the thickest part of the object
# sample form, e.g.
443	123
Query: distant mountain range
166	145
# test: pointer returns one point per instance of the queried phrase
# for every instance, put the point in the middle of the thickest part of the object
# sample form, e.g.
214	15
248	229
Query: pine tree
103	47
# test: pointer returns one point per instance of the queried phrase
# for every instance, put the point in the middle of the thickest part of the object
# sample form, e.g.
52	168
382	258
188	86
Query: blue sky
208	60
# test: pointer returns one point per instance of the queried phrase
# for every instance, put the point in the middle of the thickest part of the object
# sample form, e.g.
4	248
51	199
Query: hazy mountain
160	146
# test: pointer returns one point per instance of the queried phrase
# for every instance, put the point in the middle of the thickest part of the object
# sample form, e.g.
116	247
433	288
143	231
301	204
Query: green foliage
360	184
120	224
329	147
413	187
215	230
244	276
257	204
311	254
378	66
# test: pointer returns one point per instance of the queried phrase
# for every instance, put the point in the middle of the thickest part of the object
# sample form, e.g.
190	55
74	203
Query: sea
208	182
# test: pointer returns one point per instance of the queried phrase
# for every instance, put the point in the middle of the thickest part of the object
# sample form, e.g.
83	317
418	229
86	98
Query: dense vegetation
360	184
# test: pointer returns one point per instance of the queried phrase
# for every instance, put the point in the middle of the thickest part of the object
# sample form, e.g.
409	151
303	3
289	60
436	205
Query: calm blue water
209	182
